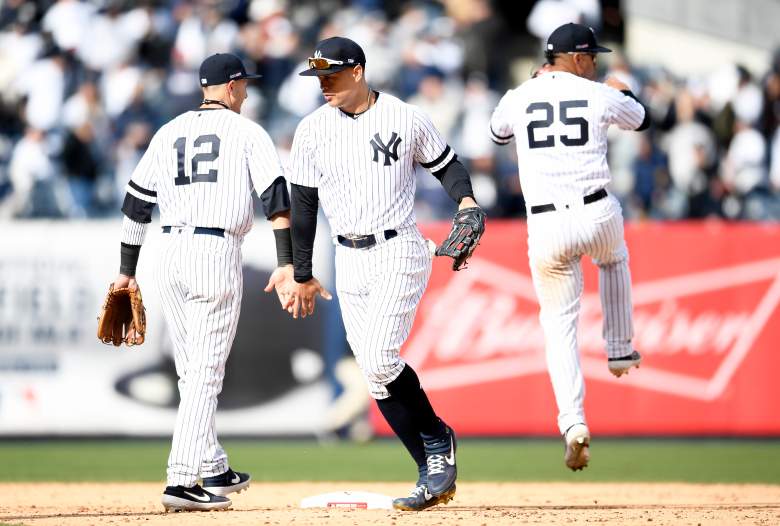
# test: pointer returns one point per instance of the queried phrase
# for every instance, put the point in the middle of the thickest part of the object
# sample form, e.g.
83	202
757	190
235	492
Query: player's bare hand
302	297
612	82
123	281
281	280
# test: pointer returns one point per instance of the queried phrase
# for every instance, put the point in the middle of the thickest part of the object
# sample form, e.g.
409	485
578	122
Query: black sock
401	422
408	391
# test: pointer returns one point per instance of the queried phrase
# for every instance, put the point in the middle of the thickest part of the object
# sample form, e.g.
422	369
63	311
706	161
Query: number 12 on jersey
208	177
549	118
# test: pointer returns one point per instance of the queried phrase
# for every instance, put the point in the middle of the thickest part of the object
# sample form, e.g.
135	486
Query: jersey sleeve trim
141	193
499	139
441	161
139	210
275	199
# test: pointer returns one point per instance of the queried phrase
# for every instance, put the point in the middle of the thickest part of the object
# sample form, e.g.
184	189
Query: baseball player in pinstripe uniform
201	168
559	120
356	155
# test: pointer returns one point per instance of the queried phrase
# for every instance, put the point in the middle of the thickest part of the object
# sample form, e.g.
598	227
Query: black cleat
620	366
440	457
226	483
421	499
180	498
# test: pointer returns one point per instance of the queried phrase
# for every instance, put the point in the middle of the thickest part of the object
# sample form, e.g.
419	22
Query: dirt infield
475	504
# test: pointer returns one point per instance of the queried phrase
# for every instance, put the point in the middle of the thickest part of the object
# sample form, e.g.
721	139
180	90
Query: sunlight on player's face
238	94
338	88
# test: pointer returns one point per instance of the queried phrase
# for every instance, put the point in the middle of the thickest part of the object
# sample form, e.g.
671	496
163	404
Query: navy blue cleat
180	498
421	499
440	457
228	482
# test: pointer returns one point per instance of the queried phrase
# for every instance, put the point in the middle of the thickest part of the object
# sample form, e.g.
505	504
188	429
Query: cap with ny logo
339	53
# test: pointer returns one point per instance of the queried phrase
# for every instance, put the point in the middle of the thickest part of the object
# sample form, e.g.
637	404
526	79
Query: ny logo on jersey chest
390	150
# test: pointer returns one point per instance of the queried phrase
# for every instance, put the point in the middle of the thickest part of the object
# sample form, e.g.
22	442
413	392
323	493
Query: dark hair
550	57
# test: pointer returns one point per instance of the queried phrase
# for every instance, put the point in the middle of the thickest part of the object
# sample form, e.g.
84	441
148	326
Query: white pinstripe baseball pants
379	289
557	241
200	282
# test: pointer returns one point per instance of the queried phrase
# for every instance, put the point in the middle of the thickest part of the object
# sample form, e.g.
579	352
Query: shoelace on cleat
435	464
417	491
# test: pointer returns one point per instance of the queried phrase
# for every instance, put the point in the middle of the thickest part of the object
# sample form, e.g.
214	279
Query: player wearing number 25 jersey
201	169
559	120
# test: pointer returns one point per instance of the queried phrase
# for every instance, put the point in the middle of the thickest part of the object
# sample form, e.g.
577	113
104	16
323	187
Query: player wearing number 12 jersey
559	120
201	169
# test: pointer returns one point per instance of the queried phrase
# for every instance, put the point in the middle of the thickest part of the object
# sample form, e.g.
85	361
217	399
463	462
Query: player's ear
357	72
576	63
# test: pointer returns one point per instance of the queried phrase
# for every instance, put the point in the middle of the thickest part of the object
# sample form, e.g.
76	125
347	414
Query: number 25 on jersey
548	112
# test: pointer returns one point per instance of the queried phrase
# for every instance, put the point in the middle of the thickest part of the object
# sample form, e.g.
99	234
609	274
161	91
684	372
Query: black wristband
284	252
128	259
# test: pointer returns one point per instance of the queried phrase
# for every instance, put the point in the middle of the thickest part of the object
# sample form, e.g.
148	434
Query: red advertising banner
706	319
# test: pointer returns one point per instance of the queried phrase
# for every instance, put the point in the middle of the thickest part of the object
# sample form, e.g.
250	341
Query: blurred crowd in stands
85	84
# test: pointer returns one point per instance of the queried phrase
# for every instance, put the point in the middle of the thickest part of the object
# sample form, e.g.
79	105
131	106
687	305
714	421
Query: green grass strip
709	461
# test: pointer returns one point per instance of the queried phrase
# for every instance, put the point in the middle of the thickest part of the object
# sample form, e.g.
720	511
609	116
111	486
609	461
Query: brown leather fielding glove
123	318
467	229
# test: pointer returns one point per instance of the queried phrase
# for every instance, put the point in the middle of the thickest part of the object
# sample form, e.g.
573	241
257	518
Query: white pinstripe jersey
560	123
363	167
201	168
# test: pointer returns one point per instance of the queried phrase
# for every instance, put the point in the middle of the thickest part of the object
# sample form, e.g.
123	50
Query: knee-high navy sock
406	389
401	423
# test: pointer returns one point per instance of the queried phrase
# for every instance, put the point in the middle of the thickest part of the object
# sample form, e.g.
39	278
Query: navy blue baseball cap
574	38
222	68
332	55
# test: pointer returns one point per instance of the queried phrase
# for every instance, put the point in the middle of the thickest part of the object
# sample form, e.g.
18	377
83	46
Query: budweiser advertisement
706	321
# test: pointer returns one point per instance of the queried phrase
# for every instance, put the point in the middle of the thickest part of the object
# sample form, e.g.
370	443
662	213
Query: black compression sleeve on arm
455	180
284	250
305	201
128	259
646	121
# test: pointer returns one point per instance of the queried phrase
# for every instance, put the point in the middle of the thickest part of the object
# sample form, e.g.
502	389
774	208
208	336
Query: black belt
549	207
219	232
364	241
